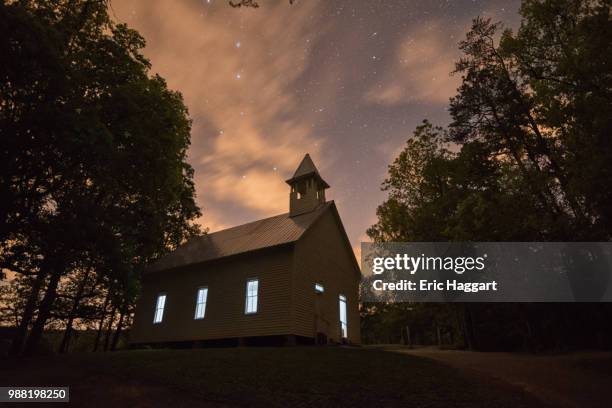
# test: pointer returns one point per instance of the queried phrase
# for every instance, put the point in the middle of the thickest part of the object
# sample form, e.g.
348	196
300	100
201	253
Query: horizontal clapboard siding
322	255
226	281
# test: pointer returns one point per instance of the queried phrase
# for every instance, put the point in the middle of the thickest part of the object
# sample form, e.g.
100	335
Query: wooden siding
322	255
225	307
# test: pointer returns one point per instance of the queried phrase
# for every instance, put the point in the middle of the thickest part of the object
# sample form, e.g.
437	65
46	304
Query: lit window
319	288
159	308
343	320
200	310
252	288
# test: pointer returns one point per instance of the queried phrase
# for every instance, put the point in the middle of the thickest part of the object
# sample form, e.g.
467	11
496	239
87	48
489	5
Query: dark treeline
490	327
526	157
94	179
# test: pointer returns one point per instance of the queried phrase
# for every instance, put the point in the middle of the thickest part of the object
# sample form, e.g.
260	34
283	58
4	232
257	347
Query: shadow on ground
263	377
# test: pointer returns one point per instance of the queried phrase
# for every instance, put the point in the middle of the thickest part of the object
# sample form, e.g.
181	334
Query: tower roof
306	169
307	166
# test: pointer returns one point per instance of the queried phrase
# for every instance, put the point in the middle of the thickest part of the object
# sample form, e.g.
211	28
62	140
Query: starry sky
346	81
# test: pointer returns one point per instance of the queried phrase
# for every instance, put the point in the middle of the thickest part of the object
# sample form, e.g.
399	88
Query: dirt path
573	380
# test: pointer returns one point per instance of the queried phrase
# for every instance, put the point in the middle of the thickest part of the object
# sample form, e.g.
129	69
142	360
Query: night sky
346	81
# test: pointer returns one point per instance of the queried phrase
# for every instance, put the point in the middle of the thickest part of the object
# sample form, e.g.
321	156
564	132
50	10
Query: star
364	75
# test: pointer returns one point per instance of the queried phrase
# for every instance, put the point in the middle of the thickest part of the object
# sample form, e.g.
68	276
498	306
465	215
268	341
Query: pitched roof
307	168
269	232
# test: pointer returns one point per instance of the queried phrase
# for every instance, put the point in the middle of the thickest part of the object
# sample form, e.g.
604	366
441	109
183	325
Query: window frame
248	296
156	308
342	300
197	303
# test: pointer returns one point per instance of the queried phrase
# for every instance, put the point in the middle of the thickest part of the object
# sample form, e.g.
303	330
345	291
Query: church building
288	279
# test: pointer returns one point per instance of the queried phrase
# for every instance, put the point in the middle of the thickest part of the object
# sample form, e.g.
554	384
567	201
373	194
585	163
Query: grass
601	366
262	377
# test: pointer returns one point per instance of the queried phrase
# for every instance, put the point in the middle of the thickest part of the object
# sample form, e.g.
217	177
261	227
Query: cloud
235	68
212	221
421	70
259	189
264	86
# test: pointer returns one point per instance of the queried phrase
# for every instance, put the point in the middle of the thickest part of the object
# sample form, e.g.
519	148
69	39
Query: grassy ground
291	376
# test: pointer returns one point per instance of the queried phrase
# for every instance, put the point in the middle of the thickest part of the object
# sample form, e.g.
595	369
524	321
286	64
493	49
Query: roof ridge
248	223
266	232
269	218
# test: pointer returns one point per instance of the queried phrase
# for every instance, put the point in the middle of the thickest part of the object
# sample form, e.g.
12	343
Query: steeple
307	188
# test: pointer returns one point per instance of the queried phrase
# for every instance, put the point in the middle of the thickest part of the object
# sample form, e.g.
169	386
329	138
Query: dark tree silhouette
531	120
93	155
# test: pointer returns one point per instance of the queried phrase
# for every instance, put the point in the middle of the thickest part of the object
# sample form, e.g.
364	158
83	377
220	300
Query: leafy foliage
527	156
93	150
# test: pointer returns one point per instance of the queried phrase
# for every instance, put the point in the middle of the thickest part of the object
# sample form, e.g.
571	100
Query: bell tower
307	188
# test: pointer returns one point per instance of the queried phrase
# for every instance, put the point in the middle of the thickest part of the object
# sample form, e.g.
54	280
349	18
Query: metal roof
269	232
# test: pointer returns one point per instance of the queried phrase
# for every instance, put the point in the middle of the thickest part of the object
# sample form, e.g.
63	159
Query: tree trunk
468	328
73	311
119	326
28	312
101	324
43	312
110	327
528	335
408	337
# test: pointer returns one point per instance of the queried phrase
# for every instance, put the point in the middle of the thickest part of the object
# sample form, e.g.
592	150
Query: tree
95	152
563	50
543	97
435	194
530	133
